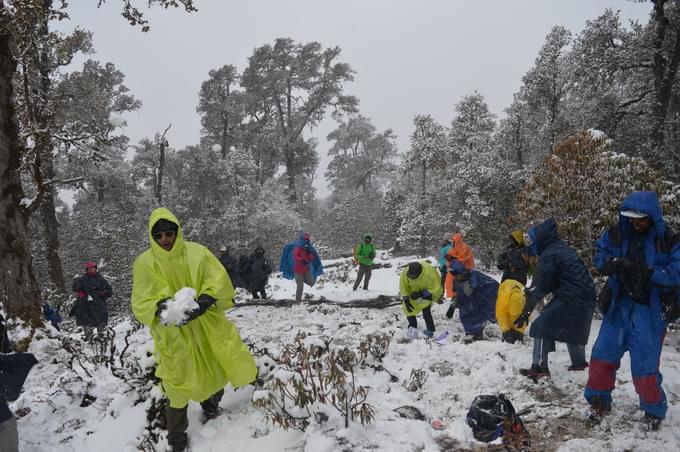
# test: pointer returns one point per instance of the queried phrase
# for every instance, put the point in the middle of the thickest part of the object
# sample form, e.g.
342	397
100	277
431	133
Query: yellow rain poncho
509	305
428	279
200	358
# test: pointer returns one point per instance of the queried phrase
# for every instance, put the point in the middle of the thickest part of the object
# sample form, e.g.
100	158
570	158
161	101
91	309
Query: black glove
425	295
416	294
512	336
670	307
604	299
161	306
407	303
204	302
523	319
304	262
617	266
452	308
371	255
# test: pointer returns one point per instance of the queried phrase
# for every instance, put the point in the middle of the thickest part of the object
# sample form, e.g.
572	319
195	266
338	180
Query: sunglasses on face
159	235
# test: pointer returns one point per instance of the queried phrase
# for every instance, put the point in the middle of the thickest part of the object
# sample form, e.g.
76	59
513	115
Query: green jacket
200	358
429	279
365	253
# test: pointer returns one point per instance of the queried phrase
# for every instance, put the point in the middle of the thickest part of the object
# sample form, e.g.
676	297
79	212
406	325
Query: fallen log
379	302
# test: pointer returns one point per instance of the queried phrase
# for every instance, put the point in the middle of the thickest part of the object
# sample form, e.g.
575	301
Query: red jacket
301	259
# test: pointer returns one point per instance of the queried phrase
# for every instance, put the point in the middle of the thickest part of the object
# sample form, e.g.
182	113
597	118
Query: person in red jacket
303	256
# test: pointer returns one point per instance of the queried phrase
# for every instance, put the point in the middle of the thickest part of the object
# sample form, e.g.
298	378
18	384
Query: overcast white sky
411	57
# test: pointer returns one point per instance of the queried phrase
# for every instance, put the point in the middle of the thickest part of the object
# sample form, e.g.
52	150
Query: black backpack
492	416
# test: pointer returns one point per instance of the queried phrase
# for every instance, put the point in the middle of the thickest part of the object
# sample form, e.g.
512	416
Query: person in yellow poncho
196	360
419	286
509	306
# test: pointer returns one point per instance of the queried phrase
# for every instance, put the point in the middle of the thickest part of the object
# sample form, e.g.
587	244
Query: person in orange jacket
461	252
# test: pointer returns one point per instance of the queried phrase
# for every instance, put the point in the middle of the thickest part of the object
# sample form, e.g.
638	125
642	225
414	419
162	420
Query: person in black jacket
513	261
14	368
231	266
259	273
568	316
90	310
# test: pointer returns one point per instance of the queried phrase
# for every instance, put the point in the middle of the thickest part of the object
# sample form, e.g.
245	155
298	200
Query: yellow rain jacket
428	279
509	305
200	358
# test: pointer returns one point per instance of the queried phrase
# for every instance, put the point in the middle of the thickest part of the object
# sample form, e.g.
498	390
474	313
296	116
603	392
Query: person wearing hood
513	261
641	257
259	273
90	310
301	262
476	299
568	316
419	286
230	265
443	251
461	252
364	254
196	358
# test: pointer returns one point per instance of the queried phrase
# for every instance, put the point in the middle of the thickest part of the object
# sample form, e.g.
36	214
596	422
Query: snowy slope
456	373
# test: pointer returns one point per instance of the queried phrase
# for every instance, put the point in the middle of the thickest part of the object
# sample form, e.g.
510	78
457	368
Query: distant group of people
641	258
250	272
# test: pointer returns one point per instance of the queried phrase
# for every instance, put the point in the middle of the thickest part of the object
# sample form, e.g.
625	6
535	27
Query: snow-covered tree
582	183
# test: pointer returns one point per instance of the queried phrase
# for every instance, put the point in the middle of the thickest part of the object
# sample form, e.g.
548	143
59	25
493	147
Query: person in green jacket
364	255
419	286
197	357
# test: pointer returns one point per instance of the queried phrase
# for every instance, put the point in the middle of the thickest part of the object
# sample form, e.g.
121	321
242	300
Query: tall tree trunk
19	292
51	225
44	153
291	170
666	63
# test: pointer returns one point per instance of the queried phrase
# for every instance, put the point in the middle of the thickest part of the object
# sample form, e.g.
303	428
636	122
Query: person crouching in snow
198	358
476	299
419	286
461	252
509	306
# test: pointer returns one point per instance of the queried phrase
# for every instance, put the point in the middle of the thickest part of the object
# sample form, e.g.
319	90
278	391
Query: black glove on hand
371	255
511	336
452	308
425	295
304	262
523	318
407	303
604	299
161	306
204	302
416	294
670	307
618	266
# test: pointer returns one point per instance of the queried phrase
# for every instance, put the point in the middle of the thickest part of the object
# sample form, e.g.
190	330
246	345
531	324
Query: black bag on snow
491	417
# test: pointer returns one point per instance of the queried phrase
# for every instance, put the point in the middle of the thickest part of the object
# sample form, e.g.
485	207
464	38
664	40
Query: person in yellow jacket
509	306
203	353
419	286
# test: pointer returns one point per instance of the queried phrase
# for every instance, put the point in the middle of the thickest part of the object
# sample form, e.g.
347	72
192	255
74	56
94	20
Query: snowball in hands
177	309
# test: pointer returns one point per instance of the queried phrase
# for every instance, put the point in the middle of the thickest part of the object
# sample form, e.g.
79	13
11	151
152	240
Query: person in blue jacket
641	256
476	299
301	262
568	316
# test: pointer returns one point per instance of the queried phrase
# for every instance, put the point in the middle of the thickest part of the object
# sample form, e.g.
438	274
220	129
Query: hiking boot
598	410
535	372
577	367
651	422
428	333
208	415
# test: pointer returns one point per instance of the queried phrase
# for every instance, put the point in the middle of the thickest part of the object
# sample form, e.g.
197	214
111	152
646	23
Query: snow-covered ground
113	415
